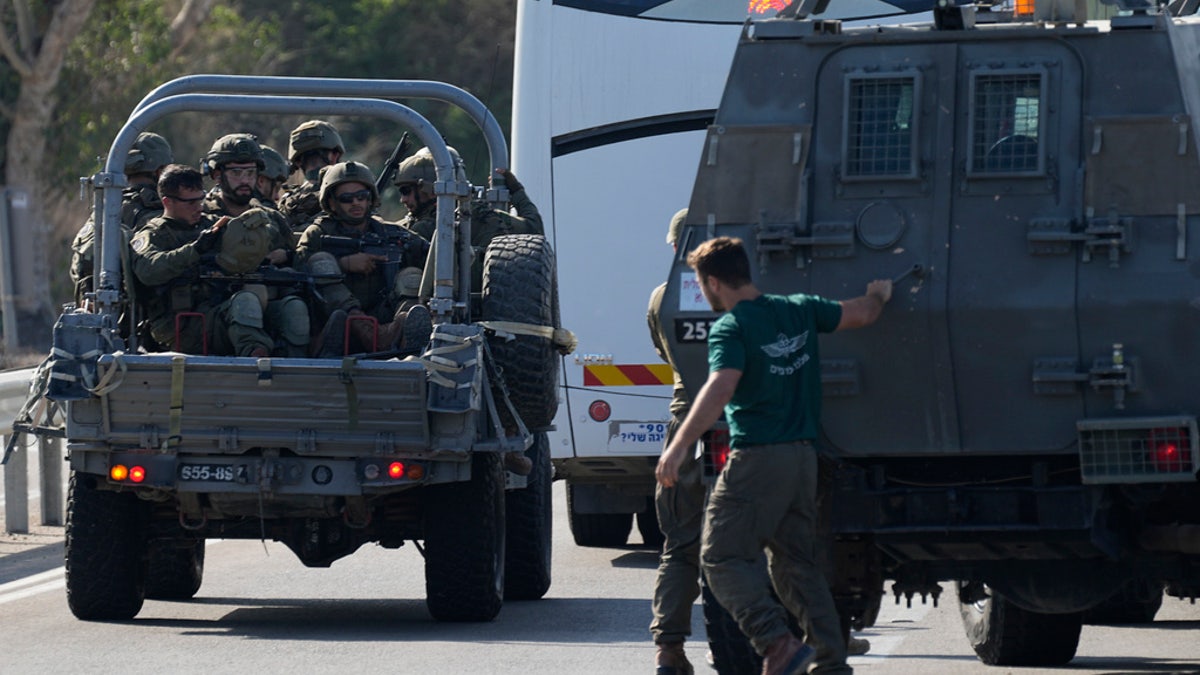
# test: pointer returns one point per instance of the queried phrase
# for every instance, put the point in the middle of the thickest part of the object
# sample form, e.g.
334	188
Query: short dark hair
176	177
723	258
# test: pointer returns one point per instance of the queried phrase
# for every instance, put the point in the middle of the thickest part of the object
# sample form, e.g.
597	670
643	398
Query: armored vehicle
168	449
1021	423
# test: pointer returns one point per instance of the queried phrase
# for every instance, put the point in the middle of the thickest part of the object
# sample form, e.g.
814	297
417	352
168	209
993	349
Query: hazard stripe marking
627	375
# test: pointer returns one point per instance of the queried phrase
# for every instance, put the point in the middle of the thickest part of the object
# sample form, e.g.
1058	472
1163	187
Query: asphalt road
261	611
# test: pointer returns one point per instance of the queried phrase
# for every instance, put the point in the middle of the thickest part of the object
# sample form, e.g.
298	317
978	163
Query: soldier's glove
207	241
510	181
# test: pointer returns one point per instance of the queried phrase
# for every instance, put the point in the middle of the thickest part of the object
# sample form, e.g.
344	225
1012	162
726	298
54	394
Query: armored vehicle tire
597	530
528	532
1137	602
518	286
174	568
647	524
464	544
1003	634
105	547
731	649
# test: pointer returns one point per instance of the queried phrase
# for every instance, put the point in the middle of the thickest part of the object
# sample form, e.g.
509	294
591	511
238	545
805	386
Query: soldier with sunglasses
376	285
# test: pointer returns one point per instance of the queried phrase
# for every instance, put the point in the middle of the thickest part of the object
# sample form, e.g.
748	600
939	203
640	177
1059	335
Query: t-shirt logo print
785	345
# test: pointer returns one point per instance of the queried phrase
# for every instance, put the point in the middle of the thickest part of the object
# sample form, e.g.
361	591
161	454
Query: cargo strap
175	416
524	439
347	377
563	339
436	363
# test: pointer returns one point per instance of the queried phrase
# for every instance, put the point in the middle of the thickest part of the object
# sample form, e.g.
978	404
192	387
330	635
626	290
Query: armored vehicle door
953	157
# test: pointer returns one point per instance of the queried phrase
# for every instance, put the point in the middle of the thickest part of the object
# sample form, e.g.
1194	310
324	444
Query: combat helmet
149	153
234	148
676	226
420	169
274	165
347	172
313	135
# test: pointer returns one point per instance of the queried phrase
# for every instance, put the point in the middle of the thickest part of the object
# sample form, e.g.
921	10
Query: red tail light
717	446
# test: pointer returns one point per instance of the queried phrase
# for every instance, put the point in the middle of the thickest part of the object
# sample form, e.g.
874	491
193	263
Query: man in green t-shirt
764	373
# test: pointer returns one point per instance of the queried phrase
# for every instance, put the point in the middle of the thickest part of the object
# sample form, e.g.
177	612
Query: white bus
611	99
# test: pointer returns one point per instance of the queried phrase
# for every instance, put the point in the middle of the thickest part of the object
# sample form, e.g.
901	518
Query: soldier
168	255
271	179
414	180
139	203
377	283
234	162
680	510
312	146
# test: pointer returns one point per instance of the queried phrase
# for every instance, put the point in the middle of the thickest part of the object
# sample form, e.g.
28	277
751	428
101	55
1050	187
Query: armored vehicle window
1006	123
879	134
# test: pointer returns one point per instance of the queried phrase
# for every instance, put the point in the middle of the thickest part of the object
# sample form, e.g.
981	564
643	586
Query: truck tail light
127	474
716	446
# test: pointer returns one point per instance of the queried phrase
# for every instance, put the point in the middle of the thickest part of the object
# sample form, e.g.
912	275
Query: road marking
43	582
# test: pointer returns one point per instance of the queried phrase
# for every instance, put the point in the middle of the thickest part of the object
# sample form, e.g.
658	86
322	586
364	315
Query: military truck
167	450
1021	423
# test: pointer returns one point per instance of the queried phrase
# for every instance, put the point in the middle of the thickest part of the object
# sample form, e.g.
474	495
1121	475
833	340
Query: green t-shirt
772	340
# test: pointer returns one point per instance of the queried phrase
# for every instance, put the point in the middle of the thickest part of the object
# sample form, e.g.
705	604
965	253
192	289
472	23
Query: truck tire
518	286
731	649
597	530
647	524
1137	602
105	552
528	514
1003	634
464	544
174	569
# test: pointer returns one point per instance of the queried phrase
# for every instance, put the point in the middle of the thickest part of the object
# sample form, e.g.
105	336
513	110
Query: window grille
1006	123
879	127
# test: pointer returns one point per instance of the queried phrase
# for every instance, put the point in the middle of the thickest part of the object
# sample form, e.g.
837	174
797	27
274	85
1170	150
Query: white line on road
50	580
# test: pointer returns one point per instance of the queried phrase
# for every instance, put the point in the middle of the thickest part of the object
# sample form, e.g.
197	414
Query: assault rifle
399	247
392	163
268	275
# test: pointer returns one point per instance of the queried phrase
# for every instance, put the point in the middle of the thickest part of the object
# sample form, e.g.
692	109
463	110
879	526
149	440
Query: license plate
218	473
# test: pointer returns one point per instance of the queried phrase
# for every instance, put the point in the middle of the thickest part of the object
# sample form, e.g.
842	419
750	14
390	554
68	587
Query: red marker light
396	470
118	472
137	474
416	472
718	449
600	411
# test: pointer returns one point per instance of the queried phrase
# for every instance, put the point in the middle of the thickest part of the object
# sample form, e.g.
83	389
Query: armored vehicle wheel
597	530
1137	602
731	649
464	544
174	569
104	551
518	286
647	524
528	513
1003	634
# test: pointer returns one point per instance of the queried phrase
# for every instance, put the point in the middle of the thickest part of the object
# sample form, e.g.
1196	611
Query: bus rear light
600	411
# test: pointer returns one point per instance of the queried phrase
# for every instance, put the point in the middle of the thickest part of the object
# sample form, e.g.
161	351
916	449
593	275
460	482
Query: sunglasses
181	200
405	190
351	197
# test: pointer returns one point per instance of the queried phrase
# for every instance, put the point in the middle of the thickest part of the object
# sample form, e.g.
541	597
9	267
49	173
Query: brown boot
787	655
671	660
408	331
516	462
856	646
365	331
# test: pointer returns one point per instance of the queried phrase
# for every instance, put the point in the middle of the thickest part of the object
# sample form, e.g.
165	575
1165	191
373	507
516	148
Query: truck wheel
105	552
731	649
597	530
174	569
1137	602
464	544
528	512
647	524
518	286
1003	634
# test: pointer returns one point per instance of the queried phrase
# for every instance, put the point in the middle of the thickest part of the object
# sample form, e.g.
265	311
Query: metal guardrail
14	388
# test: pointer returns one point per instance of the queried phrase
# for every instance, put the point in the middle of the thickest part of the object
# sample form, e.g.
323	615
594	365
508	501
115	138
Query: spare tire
518	286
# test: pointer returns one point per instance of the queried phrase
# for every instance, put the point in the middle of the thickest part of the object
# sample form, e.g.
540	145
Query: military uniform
300	206
139	205
372	293
166	260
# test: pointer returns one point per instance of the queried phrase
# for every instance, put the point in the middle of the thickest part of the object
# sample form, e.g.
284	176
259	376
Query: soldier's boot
787	655
857	646
516	462
365	333
408	331
330	343
671	660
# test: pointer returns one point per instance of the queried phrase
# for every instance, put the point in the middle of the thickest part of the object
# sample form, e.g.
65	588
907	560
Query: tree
35	54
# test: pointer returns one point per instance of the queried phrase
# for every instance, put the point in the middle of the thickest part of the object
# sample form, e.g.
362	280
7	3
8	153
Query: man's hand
865	309
881	289
667	471
207	240
510	181
360	263
277	257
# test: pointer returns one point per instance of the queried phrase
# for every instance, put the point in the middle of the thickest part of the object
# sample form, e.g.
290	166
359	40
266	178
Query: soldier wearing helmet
271	179
234	163
312	146
375	284
139	203
414	180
